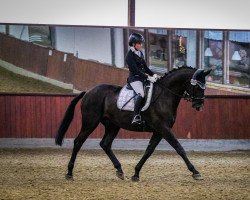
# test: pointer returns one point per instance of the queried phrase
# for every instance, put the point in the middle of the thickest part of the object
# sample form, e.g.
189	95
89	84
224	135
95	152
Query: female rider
138	72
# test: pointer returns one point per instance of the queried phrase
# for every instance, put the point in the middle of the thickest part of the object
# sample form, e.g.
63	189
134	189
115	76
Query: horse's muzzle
198	104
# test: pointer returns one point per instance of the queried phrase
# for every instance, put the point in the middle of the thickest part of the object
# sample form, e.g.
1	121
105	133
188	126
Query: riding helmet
135	38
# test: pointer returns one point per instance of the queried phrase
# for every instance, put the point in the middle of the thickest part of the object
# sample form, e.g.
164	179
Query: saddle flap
126	96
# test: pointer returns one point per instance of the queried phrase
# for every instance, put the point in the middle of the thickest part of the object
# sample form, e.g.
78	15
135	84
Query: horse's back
101	92
105	89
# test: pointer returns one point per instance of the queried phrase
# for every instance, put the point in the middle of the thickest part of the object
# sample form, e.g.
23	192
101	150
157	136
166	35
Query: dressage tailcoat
138	68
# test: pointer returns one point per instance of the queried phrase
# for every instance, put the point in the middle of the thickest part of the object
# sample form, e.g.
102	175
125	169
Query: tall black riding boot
137	110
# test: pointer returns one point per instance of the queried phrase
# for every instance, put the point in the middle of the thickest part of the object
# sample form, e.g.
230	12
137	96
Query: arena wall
38	116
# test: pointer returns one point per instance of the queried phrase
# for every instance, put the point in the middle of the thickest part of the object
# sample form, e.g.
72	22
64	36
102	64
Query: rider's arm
133	67
148	71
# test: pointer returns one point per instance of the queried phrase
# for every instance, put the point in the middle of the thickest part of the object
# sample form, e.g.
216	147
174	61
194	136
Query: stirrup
137	119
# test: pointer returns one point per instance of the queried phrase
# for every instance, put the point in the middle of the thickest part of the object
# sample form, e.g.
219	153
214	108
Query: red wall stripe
31	116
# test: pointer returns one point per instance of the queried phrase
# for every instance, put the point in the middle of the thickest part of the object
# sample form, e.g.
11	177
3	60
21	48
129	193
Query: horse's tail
68	116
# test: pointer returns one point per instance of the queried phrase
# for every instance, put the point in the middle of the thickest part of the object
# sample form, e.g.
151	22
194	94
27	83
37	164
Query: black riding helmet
135	38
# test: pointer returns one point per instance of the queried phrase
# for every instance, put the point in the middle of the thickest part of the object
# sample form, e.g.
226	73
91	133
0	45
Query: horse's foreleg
170	138
111	132
154	141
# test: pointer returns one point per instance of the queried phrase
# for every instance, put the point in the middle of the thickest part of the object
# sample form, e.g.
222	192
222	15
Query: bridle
186	96
192	97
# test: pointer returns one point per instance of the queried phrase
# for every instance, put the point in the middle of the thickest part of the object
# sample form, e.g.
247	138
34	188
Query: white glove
156	76
152	79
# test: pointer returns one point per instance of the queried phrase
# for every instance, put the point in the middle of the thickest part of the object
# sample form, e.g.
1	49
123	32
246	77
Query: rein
186	96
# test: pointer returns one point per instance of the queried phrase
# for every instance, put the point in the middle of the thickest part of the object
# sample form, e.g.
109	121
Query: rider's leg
137	110
138	88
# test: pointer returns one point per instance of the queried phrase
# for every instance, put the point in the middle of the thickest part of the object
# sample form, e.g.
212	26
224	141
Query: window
213	55
239	58
158	51
184	48
17	31
40	35
2	28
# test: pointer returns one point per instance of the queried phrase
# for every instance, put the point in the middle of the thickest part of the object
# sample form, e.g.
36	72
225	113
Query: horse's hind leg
88	126
78	142
154	141
111	132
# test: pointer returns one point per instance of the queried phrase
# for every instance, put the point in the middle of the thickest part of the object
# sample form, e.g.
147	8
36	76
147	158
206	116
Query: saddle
126	97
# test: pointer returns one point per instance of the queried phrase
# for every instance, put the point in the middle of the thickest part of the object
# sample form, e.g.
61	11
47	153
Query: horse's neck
177	81
174	86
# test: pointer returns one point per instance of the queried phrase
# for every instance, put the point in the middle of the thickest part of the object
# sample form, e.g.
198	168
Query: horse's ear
207	72
197	73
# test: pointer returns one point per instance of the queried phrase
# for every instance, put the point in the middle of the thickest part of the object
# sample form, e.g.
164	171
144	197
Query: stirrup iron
137	119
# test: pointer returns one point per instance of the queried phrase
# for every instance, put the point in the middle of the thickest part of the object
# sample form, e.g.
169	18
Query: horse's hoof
120	175
135	178
69	177
197	177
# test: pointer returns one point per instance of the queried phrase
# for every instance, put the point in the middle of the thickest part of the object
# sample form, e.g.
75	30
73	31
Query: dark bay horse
99	105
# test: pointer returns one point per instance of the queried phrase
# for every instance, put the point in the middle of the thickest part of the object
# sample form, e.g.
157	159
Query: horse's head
195	89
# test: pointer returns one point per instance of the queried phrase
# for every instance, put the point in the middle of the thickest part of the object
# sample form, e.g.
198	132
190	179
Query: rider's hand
156	76
152	79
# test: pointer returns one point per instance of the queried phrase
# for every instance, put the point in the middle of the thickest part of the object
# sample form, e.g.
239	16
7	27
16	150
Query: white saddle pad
126	101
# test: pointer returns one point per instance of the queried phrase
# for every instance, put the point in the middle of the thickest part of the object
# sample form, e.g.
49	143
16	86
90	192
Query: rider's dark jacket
137	67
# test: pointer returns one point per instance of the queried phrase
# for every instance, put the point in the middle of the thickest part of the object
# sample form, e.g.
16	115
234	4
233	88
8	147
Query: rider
138	72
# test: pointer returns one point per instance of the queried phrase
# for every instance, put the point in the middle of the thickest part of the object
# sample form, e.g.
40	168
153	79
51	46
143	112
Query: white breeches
138	88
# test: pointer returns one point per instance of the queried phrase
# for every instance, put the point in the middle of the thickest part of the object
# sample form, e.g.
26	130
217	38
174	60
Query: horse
99	105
